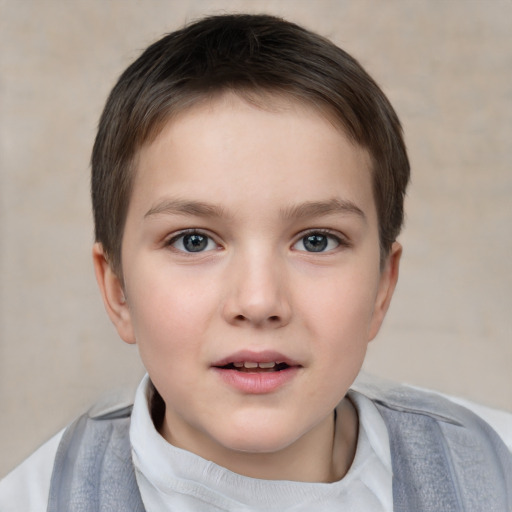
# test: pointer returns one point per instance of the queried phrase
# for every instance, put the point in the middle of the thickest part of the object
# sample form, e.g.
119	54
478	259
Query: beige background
447	67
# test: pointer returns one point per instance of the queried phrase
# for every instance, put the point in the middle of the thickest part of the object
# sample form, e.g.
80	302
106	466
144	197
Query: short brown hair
245	54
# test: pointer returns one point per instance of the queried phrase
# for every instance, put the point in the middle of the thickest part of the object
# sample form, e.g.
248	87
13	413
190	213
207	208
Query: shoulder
482	424
500	421
443	454
27	486
444	407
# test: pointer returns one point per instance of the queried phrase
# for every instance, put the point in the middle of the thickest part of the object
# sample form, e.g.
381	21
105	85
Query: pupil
315	243
195	243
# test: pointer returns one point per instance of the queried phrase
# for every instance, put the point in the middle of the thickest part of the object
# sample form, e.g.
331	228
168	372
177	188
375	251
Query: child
248	181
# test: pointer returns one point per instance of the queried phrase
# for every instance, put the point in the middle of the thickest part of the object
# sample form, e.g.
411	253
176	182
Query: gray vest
444	457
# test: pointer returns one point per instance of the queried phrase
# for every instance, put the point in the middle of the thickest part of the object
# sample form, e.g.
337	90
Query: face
252	277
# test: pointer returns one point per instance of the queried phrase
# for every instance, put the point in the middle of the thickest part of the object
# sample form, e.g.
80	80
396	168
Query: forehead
225	143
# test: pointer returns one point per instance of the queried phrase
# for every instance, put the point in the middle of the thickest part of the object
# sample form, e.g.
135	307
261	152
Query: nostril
271	319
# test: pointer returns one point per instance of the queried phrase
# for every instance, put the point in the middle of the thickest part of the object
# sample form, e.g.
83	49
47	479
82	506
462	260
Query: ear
387	284
112	293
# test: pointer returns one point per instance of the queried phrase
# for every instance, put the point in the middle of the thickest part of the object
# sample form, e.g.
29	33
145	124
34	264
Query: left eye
193	242
317	242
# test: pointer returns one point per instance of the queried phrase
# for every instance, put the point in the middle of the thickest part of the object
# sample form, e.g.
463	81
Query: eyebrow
320	208
182	207
299	211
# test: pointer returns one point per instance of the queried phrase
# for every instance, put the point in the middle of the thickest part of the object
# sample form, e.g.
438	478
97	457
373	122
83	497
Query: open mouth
254	367
254	373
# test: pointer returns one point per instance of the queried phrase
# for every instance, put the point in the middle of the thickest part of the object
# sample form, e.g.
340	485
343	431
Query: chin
263	440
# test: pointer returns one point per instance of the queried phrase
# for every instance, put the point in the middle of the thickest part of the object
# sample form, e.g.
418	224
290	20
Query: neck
329	450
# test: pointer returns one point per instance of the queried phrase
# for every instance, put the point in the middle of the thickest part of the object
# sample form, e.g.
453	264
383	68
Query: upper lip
264	356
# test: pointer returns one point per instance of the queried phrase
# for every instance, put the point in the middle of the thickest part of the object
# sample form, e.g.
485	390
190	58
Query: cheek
342	307
339	321
168	314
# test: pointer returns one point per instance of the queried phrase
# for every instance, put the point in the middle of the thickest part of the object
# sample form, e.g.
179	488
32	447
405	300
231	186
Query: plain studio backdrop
445	65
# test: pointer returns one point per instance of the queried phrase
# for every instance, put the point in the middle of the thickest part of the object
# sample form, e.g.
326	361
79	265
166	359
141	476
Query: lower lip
257	383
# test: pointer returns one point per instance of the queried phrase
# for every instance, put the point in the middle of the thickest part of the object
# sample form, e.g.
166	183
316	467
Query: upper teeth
251	364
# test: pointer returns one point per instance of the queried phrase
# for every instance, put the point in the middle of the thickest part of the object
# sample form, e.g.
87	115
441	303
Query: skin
256	182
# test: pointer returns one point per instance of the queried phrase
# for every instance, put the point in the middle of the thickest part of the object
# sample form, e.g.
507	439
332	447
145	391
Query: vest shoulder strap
93	470
444	457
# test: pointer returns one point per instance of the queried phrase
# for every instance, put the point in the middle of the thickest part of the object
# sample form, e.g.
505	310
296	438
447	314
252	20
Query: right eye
192	242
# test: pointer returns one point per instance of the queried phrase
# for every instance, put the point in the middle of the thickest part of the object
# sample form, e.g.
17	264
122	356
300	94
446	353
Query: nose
257	293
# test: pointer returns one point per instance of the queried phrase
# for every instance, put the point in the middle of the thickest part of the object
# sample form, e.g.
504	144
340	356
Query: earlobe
388	280
113	295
